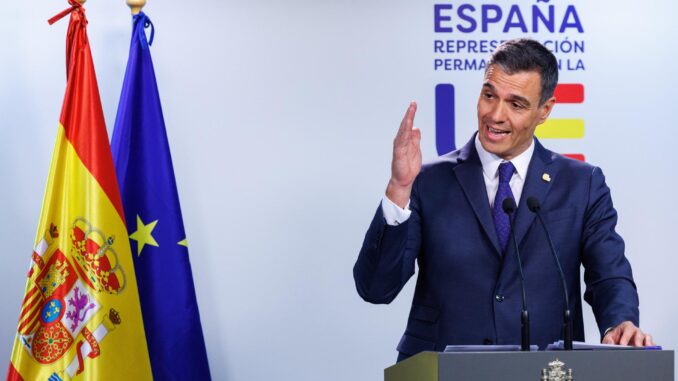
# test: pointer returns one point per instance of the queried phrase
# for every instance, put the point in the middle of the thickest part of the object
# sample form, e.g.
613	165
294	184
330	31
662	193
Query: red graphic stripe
30	294
81	362
82	115
33	326
95	350
569	93
29	312
13	374
38	260
28	323
27	317
577	156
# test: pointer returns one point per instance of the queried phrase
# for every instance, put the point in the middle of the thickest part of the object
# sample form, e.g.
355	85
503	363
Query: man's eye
517	106
488	95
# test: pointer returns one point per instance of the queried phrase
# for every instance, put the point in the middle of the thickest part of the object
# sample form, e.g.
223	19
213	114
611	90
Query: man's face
509	111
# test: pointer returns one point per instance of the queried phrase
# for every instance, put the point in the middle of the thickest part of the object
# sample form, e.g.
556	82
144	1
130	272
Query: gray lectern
583	365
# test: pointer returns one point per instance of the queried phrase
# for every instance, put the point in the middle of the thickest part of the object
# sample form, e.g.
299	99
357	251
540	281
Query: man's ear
545	109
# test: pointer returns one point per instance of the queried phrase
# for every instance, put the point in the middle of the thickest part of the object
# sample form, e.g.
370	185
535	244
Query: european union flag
149	193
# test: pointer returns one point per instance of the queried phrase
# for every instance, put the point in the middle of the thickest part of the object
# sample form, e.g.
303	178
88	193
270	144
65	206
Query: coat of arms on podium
555	372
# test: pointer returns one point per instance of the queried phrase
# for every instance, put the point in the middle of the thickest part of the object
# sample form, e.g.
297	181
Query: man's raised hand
406	162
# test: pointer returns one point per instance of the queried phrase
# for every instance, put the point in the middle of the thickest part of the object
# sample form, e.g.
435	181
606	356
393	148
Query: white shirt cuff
393	214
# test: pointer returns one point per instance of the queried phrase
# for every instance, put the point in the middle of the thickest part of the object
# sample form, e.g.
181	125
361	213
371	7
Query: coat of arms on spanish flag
80	318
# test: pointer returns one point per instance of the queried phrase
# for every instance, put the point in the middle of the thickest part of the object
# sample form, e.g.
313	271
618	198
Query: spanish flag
80	318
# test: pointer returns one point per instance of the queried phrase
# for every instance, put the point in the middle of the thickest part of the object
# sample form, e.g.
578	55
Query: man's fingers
408	119
609	338
411	111
627	334
648	341
416	135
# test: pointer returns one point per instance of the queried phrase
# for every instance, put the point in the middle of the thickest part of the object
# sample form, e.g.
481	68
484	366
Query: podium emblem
555	372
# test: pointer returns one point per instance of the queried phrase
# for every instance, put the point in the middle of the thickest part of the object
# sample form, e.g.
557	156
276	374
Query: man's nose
498	113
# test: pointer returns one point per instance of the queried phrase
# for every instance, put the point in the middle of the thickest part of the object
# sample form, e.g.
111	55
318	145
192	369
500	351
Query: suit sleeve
386	260
610	289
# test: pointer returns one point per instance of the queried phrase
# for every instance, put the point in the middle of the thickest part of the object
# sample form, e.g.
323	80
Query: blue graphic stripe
54	377
445	118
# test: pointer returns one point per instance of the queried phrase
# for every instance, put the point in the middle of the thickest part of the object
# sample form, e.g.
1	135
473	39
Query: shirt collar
490	161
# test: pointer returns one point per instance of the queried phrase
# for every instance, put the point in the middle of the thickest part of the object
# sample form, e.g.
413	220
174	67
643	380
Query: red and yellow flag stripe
80	317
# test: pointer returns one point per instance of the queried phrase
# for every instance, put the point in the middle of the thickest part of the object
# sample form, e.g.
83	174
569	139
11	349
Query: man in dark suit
447	217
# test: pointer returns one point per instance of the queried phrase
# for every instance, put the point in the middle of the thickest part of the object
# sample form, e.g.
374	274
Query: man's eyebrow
520	99
512	97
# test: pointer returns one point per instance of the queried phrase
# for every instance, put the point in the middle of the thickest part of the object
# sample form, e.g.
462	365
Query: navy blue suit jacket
468	291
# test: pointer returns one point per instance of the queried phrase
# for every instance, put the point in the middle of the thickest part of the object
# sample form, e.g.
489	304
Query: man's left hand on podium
627	333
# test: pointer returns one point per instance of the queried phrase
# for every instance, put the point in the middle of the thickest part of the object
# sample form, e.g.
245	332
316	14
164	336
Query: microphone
509	206
535	207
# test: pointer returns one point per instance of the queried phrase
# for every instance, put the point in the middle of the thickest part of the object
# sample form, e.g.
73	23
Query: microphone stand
509	206
533	205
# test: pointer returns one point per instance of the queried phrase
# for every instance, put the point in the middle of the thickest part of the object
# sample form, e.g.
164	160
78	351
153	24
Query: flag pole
134	5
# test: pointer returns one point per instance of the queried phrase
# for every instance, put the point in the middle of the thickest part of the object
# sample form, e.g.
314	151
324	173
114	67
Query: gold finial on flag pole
135	5
82	2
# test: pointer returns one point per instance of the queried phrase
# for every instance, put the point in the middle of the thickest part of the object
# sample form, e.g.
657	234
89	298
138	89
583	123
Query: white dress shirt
395	215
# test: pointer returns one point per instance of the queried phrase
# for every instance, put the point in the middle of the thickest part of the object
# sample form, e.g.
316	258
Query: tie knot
506	170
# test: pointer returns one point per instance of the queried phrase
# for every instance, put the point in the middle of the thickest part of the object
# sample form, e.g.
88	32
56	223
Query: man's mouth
497	132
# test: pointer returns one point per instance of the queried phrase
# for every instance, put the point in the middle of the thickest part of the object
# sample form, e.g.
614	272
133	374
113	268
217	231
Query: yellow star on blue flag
144	235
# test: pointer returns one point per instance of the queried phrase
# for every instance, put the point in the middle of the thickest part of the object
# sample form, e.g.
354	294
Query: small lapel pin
546	177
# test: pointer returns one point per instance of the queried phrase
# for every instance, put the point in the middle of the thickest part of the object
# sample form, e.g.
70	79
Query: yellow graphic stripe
561	129
72	194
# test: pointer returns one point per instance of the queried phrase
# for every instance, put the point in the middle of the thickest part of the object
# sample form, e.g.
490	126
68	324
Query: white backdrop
281	116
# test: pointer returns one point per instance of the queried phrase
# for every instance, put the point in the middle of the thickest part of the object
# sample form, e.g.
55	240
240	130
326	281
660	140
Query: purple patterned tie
501	219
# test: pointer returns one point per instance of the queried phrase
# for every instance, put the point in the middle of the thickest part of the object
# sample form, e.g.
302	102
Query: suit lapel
535	186
469	173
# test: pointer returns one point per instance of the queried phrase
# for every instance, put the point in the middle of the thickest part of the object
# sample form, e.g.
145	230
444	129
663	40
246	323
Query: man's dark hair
524	54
